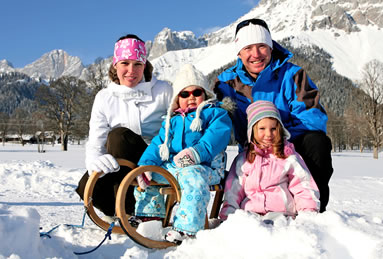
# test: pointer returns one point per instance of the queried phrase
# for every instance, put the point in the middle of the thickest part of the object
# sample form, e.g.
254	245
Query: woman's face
129	72
191	101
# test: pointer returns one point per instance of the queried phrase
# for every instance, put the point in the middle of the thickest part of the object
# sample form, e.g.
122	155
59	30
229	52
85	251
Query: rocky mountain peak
345	15
6	66
53	65
167	40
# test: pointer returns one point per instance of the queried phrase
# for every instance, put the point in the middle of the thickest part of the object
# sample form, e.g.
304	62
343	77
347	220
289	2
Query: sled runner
171	190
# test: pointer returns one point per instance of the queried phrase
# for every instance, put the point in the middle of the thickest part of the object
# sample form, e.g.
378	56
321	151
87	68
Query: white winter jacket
141	109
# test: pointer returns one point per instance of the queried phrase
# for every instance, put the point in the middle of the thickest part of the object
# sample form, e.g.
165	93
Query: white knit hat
252	34
188	75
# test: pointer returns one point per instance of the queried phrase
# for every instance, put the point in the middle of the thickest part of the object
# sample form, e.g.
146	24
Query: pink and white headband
129	48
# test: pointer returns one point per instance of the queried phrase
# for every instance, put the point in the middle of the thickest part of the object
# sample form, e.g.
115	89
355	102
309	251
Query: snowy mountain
349	30
168	40
54	64
6	66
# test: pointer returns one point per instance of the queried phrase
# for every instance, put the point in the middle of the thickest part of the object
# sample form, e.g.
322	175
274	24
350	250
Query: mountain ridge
349	30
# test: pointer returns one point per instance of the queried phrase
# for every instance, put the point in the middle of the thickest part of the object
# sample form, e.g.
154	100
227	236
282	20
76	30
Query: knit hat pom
164	152
196	125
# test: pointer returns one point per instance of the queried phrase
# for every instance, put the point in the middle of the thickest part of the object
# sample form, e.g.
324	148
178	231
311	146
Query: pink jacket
270	184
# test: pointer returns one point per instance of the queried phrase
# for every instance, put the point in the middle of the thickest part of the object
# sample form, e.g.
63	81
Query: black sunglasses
252	21
195	93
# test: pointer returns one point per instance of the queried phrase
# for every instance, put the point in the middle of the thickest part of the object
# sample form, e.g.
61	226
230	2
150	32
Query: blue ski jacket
209	142
281	82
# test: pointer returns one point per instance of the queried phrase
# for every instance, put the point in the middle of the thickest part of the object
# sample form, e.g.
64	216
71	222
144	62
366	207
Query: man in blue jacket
262	72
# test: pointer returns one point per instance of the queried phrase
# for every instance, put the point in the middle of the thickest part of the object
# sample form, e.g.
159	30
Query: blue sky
88	29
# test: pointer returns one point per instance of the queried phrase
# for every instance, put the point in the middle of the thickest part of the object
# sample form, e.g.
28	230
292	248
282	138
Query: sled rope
107	235
47	234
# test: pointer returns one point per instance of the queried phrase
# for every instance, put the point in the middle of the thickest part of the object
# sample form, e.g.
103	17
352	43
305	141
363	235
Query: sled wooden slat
216	203
167	191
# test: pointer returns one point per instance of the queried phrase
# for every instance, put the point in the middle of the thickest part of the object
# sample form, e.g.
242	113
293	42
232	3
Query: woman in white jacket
125	117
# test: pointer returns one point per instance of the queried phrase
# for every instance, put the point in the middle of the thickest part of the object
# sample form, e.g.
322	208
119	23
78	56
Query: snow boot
176	237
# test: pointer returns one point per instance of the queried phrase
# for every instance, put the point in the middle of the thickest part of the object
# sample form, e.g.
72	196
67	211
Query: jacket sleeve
216	136
98	132
306	111
234	191
302	185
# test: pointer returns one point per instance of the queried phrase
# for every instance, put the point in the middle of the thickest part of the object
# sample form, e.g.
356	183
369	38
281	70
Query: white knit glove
105	163
187	157
144	179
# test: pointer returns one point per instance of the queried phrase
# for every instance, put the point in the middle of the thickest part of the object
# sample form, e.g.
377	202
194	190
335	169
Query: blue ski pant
194	182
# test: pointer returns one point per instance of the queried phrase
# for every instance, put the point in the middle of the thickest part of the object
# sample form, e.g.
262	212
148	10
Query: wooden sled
171	190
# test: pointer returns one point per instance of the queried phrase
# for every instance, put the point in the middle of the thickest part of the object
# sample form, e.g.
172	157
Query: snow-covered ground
37	190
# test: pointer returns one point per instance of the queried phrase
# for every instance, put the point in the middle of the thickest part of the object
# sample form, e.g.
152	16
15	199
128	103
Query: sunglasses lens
184	94
197	92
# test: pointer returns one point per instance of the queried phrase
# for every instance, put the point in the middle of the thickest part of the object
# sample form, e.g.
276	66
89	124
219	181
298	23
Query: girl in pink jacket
269	176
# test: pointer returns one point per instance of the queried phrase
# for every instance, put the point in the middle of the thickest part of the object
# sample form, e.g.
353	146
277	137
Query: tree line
63	106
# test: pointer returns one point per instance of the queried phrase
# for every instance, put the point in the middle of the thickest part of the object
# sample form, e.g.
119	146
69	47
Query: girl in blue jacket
190	145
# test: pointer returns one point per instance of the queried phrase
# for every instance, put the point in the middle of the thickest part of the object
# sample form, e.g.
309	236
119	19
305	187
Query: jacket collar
262	152
140	93
288	149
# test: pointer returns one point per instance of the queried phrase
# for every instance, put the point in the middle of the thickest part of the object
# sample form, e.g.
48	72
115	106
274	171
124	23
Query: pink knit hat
129	48
259	110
